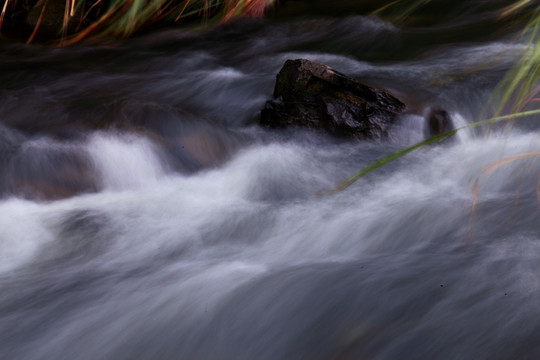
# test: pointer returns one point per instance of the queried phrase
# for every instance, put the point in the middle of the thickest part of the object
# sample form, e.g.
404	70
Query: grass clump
71	21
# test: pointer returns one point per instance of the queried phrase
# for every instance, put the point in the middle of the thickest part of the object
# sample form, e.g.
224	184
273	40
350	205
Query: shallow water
146	215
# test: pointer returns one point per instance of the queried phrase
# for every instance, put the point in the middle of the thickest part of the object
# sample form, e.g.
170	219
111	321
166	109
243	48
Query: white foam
263	207
124	161
22	233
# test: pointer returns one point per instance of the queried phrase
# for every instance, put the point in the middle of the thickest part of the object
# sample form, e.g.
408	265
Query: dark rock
313	95
438	121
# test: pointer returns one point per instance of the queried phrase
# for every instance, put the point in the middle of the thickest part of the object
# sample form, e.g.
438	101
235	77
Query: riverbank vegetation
71	21
63	22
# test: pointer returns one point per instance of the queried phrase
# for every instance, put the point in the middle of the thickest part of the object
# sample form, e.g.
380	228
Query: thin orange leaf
3	13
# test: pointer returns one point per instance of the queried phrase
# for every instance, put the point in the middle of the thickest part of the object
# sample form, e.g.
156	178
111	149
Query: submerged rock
438	121
313	95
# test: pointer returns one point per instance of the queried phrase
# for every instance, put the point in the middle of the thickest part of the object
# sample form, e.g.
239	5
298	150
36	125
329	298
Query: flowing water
145	214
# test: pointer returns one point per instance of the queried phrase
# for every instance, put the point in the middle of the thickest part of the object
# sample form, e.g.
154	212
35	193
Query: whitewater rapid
146	215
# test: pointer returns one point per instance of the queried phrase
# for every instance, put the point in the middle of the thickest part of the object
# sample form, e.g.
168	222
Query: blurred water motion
146	215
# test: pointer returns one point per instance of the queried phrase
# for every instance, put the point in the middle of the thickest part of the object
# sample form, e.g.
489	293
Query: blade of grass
493	167
3	14
514	7
183	10
85	15
515	91
38	23
507	160
72	9
65	22
403	12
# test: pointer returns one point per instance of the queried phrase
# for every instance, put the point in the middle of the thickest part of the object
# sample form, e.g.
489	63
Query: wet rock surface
438	121
313	95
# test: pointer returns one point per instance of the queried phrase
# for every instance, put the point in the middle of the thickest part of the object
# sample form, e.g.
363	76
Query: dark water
146	215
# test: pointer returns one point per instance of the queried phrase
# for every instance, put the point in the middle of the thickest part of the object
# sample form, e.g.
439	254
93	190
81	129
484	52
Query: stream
145	214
